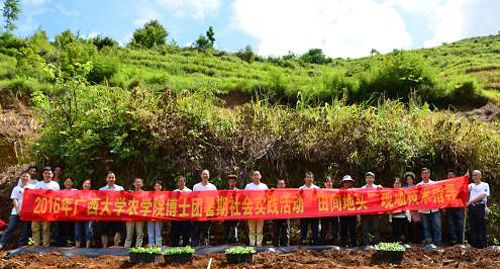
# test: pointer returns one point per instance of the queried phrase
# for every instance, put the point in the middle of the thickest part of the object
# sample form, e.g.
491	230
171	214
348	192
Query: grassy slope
479	57
178	69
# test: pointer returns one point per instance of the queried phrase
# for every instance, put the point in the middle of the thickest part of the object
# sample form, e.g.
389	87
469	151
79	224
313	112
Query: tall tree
211	36
10	12
151	35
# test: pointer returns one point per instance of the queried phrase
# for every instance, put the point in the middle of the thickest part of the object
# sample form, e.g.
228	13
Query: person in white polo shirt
179	229
256	227
202	228
370	223
110	227
17	198
478	198
431	218
46	184
305	223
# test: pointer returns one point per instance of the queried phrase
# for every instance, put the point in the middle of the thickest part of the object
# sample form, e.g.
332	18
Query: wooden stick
209	263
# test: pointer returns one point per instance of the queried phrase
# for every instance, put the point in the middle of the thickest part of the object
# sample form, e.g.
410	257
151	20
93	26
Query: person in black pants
180	229
329	223
281	227
400	220
455	218
231	226
348	223
305	223
478	198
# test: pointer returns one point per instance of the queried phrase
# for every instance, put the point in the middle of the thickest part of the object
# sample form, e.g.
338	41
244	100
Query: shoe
1	246
407	246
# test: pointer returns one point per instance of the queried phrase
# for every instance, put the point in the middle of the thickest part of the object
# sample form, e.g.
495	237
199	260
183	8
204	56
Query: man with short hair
371	223
256	226
281	227
431	218
231	226
305	223
478	198
455	218
202	228
17	198
110	227
42	228
179	229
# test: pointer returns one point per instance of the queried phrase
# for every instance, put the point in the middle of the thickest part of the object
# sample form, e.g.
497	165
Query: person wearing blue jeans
14	221
455	218
155	237
84	230
431	223
431	218
87	227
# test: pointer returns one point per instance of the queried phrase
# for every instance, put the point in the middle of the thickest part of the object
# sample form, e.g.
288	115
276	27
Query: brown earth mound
414	258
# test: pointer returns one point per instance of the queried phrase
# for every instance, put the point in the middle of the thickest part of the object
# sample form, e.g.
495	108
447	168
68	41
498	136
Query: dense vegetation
461	74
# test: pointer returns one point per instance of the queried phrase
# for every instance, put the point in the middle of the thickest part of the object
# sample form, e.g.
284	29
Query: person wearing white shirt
431	218
256	227
306	222
370	223
17	198
110	227
478	198
155	238
202	228
400	220
64	230
41	229
180	229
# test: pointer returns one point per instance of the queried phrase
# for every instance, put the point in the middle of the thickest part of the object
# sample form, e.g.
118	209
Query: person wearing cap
348	223
41	229
400	220
14	221
305	223
179	229
329	223
371	223
455	218
431	218
478	198
281	227
202	228
256	226
113	228
231	226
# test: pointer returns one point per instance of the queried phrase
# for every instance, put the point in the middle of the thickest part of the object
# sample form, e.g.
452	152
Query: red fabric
46	205
3	225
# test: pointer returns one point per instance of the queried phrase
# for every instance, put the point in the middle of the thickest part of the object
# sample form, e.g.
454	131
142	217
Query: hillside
474	63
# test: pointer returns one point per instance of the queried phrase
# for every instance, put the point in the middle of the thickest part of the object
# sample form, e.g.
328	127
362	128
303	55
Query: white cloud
340	27
198	9
145	14
66	12
451	20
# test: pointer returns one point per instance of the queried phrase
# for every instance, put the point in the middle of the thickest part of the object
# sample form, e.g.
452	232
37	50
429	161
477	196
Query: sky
342	28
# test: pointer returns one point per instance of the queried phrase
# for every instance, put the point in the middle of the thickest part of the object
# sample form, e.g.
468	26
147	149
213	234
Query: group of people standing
407	226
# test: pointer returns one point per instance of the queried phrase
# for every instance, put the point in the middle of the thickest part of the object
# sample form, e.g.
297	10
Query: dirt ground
414	258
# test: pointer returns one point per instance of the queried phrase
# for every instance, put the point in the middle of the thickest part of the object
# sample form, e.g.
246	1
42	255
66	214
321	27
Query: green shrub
240	250
178	250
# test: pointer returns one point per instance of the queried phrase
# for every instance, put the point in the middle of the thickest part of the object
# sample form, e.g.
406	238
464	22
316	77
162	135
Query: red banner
79	205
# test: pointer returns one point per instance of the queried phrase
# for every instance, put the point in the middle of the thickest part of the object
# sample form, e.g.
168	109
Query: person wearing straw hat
348	223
